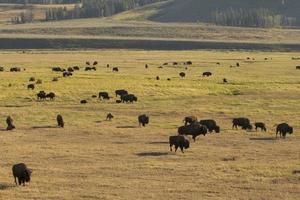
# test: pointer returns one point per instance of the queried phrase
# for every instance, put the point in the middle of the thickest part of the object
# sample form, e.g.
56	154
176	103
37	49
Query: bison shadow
152	154
263	139
127	126
4	186
41	127
158	142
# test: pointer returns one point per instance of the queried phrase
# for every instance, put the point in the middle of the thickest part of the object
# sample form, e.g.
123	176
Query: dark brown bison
182	74
211	125
95	63
179	141
143	120
55	79
50	95
70	69
207	74
283	129
118	101
1	69
41	95
15	69
109	117
67	74
115	69
157	78
128	98
189	63
39	81
146	66
87	63
31	79
58	69
298	67
260	125
76	68
104	95
194	129
237	64
121	92
90	68
83	101
9	122
241	122
60	121
225	80
22	173
190	120
30	86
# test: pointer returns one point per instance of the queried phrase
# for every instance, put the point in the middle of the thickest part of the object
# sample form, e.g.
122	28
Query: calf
260	125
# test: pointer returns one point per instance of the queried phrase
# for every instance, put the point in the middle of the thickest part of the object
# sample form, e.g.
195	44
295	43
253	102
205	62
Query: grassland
94	159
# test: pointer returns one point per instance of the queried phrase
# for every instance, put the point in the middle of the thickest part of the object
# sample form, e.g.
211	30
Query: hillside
204	11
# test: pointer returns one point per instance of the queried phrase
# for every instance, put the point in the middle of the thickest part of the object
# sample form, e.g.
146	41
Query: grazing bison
87	63
95	63
225	80
31	79
15	69
50	95
107	66
76	68
298	67
115	69
175	63
211	125
109	117
90	68
22	173
189	63
260	125
128	98
157	78
179	141
58	69
207	74
60	121
182	74
1	69
190	120
194	129
146	66
104	95
39	81
283	129
94	96
30	86
168	79
143	120
118	101
70	69
41	95
241	122
9	122
237	64
121	92
67	74
83	101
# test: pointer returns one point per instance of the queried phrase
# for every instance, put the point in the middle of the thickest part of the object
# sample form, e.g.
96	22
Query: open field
95	159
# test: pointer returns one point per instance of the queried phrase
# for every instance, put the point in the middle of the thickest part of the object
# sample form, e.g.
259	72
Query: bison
15	69
157	78
50	95
260	125
83	101
211	125
76	68
190	120
143	120
194	129
298	67
179	141
30	86
9	122
283	129
22	173
128	98
104	95
207	74
60	121
41	95
109	117
121	92
31	79
115	69
182	74
58	69
241	122
67	74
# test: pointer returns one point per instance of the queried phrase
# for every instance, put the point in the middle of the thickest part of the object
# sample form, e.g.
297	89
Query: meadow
96	159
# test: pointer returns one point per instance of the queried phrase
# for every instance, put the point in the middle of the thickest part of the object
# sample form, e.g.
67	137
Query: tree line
260	17
95	8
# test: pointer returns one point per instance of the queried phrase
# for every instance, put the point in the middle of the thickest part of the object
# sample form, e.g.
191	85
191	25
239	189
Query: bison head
186	144
291	130
217	129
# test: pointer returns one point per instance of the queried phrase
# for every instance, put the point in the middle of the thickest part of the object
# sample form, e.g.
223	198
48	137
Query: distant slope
202	10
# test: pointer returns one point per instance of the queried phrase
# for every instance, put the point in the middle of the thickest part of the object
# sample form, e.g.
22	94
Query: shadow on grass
127	126
41	127
158	142
4	186
263	139
152	154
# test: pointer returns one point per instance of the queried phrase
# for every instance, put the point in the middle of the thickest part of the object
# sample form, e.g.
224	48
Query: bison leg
181	147
16	180
194	138
171	147
19	181
176	147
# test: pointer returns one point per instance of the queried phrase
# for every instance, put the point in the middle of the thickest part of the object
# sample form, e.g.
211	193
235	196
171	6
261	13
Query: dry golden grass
94	159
